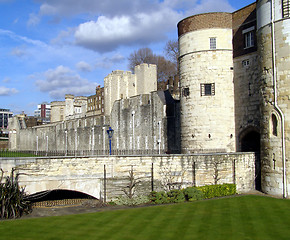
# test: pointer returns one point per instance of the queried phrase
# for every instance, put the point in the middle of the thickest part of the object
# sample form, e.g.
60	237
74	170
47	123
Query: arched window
274	125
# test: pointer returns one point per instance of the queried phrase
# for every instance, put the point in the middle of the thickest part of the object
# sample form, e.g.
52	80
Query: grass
5	153
243	217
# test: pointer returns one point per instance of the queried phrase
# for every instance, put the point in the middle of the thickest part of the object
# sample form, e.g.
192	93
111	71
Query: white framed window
246	63
249	37
212	43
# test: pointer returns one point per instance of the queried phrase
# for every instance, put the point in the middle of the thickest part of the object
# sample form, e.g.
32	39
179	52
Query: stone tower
206	81
273	35
121	85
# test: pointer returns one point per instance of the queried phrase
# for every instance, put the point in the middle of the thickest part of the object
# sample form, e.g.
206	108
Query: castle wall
86	174
246	78
274	74
247	96
207	118
139	123
57	111
146	78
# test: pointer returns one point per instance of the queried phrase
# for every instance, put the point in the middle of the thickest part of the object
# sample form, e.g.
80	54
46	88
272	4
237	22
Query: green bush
158	197
175	196
124	200
211	191
192	194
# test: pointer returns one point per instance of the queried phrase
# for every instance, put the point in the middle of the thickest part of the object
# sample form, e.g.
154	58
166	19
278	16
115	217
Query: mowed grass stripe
276	218
244	217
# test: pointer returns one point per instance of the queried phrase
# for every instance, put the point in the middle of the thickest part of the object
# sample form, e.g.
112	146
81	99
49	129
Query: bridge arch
57	194
86	186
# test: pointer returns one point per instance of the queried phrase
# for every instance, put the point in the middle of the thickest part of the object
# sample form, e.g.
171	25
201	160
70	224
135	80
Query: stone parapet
169	171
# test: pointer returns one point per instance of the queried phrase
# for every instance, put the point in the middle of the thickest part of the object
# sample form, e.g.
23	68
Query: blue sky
49	48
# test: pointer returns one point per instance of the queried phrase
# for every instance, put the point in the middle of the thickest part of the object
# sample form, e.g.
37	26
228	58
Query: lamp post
110	132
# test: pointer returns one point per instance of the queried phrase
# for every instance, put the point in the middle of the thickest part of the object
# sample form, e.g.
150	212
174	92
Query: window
186	92
207	89
274	125
246	63
212	43
286	8
249	39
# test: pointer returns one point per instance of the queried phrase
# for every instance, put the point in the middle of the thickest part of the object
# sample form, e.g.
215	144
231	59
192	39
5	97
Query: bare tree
171	51
142	55
165	68
133	182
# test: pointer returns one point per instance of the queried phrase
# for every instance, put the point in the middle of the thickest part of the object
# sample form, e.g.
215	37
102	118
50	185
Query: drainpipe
276	106
133	129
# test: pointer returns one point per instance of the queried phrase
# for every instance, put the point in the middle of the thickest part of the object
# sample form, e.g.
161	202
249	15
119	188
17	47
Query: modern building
5	114
43	112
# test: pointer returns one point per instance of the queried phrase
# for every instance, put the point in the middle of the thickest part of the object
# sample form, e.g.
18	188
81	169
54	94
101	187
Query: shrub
192	194
158	197
124	200
12	197
211	191
175	196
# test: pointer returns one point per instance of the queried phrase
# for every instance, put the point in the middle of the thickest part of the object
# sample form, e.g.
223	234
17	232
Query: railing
79	153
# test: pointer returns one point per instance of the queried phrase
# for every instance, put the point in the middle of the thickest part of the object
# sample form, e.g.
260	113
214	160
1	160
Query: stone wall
275	102
145	122
148	121
4	144
169	171
120	84
247	96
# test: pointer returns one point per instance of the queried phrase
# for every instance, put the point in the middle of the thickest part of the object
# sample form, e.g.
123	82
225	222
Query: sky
49	48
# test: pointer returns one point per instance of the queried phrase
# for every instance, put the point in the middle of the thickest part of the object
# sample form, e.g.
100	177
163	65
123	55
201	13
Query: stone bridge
87	174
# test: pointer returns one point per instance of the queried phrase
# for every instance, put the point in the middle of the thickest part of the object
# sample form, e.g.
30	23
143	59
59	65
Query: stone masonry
86	174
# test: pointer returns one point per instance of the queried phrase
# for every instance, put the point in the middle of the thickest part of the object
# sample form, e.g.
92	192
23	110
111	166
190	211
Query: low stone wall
87	174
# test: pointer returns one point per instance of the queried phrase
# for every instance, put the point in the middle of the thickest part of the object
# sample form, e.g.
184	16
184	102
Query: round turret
206	81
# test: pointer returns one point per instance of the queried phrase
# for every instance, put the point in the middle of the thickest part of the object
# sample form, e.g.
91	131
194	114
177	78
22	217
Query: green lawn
4	153
243	217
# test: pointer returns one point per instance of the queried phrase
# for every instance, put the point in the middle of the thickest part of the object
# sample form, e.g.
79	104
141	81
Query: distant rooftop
4	110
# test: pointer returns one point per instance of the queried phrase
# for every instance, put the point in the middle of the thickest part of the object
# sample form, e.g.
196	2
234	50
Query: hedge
192	193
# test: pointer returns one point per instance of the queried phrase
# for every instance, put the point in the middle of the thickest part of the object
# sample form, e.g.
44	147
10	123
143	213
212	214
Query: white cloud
33	20
124	22
107	34
84	66
108	62
63	8
62	80
6	80
4	91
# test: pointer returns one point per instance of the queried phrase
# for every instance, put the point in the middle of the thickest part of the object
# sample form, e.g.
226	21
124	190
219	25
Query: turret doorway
250	142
